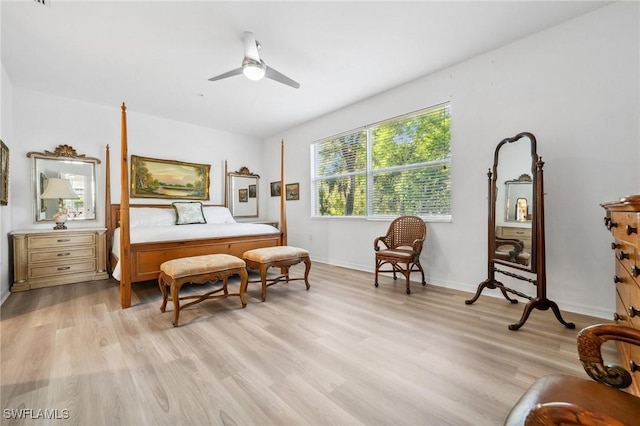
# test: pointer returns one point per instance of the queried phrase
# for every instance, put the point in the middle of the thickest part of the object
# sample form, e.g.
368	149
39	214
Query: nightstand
46	258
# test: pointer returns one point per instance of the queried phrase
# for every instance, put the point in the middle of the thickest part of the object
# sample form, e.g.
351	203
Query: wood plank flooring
342	353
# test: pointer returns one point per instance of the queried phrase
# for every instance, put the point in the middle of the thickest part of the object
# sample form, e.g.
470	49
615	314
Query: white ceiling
157	55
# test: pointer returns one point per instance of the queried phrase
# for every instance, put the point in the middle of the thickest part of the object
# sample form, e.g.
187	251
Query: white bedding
144	234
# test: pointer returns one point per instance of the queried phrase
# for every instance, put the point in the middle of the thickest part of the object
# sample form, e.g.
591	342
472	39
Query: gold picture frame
292	191
156	178
4	174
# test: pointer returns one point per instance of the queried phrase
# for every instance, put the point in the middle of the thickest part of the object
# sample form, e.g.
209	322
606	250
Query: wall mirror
80	172
242	193
519	199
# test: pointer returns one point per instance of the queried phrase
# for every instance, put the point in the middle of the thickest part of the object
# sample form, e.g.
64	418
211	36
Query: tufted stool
200	270
281	257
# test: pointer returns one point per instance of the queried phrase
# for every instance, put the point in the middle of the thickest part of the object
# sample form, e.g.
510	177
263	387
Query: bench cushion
197	265
274	254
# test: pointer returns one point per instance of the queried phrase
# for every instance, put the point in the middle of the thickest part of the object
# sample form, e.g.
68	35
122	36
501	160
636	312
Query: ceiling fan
253	67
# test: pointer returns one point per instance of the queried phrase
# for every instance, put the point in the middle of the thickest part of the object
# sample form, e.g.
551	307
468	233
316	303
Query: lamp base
60	218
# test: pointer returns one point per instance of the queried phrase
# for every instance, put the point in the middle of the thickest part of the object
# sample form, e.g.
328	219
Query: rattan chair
402	248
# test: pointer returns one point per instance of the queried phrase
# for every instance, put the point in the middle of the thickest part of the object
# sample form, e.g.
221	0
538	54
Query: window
400	166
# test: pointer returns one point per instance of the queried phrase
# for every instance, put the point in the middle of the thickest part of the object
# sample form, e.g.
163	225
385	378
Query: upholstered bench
281	257
200	270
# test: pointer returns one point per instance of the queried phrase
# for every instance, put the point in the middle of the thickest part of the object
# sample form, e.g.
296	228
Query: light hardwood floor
342	353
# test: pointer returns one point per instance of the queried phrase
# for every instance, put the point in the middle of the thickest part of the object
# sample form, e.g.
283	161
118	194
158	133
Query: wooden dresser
519	233
46	258
622	219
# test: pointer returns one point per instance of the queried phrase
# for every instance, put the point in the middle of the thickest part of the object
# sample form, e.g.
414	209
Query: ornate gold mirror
71	180
516	225
242	193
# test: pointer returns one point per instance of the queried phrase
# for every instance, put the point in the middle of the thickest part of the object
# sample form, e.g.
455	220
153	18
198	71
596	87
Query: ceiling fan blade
227	74
250	46
281	78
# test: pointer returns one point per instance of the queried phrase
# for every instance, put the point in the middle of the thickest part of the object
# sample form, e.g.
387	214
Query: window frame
369	172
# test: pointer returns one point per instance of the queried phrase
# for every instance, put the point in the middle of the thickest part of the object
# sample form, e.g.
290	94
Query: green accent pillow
188	212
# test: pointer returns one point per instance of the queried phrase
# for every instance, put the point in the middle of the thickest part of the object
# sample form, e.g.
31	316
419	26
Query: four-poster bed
137	259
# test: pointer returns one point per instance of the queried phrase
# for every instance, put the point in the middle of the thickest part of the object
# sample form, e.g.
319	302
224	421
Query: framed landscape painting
155	178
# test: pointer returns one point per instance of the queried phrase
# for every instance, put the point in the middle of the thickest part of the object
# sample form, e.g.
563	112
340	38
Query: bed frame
141	262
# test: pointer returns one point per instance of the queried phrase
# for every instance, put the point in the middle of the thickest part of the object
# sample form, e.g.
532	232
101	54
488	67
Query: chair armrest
417	246
590	340
383	240
562	413
518	245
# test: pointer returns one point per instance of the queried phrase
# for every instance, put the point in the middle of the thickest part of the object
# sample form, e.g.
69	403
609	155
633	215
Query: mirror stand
540	301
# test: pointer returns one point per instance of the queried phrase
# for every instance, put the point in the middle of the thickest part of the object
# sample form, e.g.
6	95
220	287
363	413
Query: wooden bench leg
244	281
263	278
175	296
163	289
307	269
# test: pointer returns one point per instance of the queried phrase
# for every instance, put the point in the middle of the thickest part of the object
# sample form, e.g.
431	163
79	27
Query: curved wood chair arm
518	245
590	340
417	246
382	239
562	413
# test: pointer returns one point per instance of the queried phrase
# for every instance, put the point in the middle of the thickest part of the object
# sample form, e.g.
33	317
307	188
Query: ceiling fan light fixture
253	70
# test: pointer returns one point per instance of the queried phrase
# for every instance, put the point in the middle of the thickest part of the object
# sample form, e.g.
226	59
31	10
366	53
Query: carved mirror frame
64	159
242	195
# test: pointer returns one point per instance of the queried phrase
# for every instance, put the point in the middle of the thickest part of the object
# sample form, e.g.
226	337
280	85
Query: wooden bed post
125	261
283	213
107	207
226	188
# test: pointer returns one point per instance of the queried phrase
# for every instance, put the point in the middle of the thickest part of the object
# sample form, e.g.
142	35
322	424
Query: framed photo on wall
4	174
155	178
292	191
275	189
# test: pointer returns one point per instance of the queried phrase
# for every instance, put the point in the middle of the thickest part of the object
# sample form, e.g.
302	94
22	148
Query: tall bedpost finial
283	213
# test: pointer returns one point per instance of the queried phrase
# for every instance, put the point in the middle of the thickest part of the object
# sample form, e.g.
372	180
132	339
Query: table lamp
62	190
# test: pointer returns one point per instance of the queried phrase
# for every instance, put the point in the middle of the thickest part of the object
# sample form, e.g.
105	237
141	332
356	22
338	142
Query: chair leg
407	276
376	276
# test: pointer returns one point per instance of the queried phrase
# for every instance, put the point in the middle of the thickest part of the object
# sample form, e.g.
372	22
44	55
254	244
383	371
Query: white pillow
188	212
218	214
151	216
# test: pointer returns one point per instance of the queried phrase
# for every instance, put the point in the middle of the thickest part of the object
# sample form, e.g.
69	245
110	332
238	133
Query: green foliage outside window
397	167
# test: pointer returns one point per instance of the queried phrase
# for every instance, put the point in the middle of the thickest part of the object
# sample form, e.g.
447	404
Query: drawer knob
614	246
622	255
617	317
606	221
633	311
631	229
617	279
64	268
64	240
633	367
611	224
635	271
64	254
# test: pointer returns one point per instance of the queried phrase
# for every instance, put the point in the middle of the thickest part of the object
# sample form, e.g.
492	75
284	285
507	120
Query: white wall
575	87
5	211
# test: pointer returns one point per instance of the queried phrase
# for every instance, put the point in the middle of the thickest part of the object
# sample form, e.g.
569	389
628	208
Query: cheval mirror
242	192
516	225
65	165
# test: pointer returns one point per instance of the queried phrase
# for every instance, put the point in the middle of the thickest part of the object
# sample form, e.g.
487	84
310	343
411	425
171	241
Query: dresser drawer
627	255
58	255
57	242
52	270
522	234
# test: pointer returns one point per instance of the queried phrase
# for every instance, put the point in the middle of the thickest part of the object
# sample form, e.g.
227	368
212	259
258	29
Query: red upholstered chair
401	248
560	399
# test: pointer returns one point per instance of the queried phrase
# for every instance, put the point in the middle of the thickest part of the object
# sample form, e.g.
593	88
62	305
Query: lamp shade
59	188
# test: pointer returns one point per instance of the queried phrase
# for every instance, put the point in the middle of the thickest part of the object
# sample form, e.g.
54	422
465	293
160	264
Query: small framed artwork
243	195
4	174
252	191
275	189
293	191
